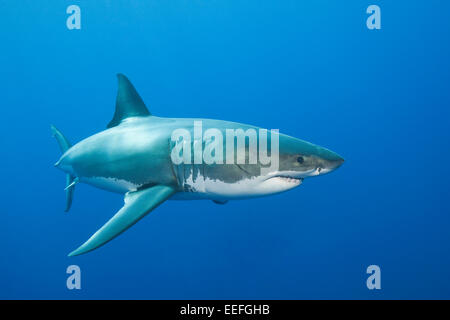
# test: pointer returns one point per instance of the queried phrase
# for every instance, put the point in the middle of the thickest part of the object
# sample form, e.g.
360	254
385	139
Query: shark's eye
300	159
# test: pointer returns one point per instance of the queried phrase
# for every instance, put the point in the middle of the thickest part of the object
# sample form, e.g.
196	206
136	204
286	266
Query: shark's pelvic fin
64	145
137	205
220	201
128	102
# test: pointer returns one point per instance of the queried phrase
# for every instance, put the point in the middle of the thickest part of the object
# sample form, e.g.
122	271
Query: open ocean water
380	98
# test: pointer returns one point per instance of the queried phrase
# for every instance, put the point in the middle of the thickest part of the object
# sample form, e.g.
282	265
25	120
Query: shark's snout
334	161
329	155
330	165
330	161
324	161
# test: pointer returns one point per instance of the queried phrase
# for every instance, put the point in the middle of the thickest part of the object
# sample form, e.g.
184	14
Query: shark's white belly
205	188
111	184
202	187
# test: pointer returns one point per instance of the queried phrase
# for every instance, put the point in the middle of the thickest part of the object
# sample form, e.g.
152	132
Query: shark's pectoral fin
137	205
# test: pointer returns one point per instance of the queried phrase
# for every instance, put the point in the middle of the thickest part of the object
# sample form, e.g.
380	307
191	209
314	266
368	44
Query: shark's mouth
289	179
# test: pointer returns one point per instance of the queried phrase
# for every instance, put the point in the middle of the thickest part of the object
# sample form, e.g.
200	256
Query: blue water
312	69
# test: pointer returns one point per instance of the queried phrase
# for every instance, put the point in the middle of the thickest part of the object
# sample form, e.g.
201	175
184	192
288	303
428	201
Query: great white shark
134	157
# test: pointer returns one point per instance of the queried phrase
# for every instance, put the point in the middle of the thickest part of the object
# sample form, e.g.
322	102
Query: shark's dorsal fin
128	102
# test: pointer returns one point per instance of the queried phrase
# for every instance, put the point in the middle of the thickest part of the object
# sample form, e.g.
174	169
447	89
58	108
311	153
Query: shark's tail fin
64	145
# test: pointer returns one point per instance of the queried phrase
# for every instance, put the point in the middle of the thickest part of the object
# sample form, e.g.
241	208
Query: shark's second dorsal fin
128	102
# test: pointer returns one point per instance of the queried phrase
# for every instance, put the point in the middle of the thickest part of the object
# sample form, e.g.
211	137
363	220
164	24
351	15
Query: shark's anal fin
137	205
128	102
